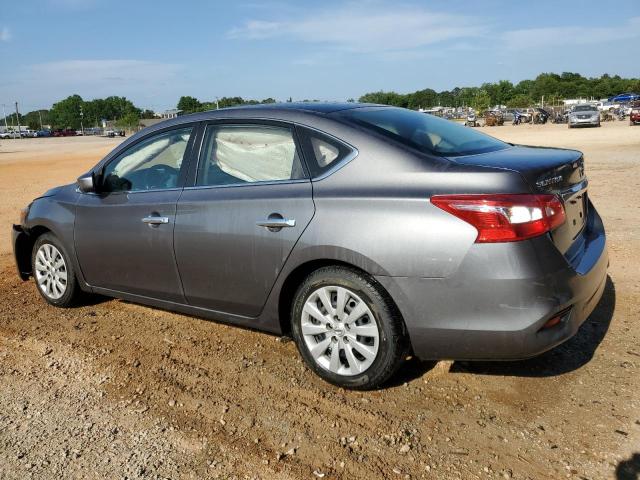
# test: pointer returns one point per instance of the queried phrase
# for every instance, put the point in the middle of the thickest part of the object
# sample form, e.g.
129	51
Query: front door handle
155	220
275	222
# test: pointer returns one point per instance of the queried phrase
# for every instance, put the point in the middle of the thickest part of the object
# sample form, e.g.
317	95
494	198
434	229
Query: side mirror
88	183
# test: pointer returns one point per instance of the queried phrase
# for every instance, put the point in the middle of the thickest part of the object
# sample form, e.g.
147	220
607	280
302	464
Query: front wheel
347	329
53	272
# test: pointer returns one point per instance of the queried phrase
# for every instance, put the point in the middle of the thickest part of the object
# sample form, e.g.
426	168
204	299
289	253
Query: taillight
505	217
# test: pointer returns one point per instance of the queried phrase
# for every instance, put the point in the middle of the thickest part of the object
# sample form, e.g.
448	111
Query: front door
237	226
124	234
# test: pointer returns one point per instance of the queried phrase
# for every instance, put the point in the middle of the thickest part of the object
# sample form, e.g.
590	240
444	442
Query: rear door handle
277	223
155	220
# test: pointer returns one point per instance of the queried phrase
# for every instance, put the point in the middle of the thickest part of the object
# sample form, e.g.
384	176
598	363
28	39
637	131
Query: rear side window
241	154
321	151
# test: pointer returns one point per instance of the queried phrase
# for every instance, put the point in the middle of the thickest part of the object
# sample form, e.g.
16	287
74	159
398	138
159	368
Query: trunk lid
546	170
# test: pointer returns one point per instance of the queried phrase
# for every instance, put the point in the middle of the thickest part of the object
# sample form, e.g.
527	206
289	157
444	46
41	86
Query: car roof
319	107
277	111
307	113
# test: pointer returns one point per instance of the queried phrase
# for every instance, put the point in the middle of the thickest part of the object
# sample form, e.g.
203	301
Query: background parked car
634	116
625	98
64	133
9	135
584	115
114	133
28	133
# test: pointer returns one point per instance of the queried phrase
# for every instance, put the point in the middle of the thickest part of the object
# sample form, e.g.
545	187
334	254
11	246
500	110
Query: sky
152	52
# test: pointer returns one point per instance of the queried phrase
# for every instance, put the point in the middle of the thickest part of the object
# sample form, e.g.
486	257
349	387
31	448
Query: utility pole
40	115
81	118
217	104
18	120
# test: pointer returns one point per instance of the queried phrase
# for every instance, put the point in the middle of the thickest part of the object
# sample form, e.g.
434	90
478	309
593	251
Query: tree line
74	111
67	113
552	86
191	104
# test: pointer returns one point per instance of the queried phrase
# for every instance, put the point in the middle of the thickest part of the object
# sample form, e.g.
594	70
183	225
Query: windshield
423	132
583	108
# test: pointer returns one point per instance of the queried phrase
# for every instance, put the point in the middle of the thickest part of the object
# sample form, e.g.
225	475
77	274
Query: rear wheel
53	272
347	329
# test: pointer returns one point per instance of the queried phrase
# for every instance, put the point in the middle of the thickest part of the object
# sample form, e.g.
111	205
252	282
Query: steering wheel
161	176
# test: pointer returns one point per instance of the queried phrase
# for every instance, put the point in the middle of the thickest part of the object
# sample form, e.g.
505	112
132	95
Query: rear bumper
494	306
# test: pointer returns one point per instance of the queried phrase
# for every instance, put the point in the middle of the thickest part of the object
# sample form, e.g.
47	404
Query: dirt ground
116	390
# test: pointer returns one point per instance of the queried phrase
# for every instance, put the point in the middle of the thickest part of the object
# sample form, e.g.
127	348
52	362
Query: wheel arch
24	249
299	273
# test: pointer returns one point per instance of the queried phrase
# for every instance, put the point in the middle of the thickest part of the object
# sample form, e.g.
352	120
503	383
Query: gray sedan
584	115
368	233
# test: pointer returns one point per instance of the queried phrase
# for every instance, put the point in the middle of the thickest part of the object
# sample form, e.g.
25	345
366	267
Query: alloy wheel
340	331
51	271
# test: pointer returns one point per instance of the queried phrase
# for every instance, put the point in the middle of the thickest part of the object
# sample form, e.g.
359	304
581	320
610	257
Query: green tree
66	113
426	98
385	98
189	104
482	101
130	120
520	101
32	119
230	101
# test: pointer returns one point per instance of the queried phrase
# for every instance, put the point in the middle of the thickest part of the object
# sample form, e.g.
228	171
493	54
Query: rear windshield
423	132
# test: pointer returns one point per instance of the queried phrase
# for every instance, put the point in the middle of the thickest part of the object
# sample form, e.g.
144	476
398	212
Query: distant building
569	102
173	113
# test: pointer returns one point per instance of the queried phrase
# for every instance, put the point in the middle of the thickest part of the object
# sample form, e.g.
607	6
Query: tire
48	272
384	333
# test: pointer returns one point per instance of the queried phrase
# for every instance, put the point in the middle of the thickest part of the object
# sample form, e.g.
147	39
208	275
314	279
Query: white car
607	106
9	135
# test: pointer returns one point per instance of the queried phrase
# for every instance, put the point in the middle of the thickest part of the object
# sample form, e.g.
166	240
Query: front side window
423	132
152	164
241	154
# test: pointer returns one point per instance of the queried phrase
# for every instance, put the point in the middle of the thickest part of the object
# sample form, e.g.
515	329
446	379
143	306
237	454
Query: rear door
236	226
